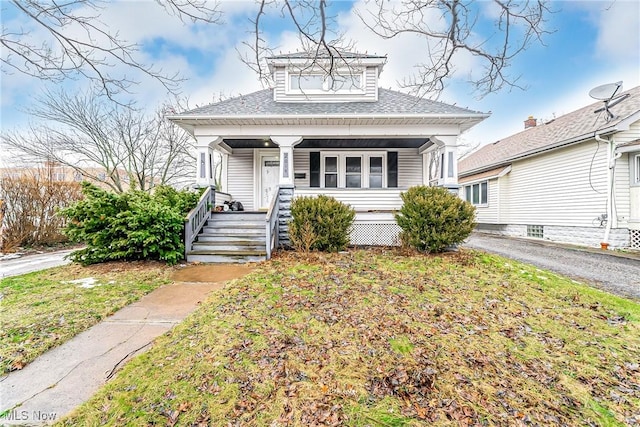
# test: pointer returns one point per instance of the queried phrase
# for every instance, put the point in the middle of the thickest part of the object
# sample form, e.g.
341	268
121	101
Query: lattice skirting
375	234
634	239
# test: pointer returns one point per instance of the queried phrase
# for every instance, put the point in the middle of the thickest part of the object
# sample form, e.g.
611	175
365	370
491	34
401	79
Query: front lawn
44	309
368	338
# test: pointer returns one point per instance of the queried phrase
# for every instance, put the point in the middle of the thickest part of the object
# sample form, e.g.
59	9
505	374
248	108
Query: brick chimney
530	122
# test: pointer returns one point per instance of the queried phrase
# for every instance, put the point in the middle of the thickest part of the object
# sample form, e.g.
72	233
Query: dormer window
316	83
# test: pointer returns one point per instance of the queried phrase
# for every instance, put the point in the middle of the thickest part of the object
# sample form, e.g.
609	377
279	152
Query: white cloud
619	31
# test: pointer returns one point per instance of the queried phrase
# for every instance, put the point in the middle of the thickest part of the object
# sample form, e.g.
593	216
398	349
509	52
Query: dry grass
42	310
382	339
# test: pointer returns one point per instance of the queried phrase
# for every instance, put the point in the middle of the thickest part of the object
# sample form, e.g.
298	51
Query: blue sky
594	42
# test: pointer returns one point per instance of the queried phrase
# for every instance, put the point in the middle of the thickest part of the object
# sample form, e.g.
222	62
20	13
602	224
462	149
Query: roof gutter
327	116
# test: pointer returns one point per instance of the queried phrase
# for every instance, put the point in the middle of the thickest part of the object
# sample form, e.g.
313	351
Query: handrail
197	217
271	237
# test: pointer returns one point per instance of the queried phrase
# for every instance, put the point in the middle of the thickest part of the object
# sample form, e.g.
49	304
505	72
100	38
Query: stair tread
225	252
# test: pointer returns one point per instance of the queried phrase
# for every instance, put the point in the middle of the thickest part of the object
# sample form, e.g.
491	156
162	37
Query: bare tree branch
451	27
91	135
78	45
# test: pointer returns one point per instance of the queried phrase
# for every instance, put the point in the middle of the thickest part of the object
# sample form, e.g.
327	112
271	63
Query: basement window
536	231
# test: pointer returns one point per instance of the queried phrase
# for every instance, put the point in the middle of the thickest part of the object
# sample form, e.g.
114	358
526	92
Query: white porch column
204	160
286	144
224	175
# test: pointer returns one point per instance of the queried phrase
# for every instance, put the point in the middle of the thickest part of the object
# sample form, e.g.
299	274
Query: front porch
367	173
212	236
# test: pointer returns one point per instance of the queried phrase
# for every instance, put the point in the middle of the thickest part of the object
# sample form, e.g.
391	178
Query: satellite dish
605	92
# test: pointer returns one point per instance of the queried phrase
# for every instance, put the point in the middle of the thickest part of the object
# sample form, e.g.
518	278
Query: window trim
636	170
468	193
326	86
364	168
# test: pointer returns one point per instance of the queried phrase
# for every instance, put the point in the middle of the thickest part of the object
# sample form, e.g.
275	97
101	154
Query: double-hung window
331	172
353	172
636	167
375	171
477	194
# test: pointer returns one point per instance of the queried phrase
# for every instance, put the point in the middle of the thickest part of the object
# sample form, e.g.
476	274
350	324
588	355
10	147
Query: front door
269	173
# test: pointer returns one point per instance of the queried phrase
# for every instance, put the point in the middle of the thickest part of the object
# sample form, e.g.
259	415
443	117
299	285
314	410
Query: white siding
622	195
409	167
489	214
556	188
630	135
370	92
301	165
362	200
240	177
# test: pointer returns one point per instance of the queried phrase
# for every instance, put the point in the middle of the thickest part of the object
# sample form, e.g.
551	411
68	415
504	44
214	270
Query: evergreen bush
129	226
320	223
432	218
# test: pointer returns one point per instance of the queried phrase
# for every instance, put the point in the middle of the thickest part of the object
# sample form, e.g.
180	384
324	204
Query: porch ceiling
333	143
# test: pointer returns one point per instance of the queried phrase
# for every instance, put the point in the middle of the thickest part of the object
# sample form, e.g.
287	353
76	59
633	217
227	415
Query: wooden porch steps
231	237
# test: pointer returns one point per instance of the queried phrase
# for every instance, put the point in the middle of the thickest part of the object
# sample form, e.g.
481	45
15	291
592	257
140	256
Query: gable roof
577	126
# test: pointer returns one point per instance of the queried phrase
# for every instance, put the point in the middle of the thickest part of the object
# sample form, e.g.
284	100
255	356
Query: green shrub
128	226
432	218
183	201
320	223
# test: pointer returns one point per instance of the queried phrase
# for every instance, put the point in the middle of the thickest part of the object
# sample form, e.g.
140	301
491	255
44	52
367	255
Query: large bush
129	226
320	223
28	206
432	218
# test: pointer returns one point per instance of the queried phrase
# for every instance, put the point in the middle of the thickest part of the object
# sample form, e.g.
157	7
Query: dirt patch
211	272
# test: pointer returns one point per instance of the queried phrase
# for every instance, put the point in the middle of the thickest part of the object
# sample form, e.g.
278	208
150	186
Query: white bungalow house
575	179
314	133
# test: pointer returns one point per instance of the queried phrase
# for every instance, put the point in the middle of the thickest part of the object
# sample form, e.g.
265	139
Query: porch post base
285	196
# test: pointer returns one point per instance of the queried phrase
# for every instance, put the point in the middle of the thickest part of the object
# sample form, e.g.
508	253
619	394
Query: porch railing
271	239
197	217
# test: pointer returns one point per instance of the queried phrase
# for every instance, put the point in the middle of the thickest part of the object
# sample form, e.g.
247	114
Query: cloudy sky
593	42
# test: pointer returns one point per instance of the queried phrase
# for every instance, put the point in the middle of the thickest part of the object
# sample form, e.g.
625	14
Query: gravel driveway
619	275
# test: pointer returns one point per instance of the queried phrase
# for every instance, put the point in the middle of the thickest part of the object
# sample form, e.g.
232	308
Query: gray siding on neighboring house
490	212
240	177
556	188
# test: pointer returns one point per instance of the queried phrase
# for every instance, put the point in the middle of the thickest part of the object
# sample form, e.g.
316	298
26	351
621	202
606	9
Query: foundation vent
536	231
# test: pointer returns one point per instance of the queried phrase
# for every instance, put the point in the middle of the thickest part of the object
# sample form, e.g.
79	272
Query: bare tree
78	45
447	27
95	136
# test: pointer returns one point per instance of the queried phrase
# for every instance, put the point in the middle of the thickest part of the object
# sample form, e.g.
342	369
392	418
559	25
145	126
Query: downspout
611	163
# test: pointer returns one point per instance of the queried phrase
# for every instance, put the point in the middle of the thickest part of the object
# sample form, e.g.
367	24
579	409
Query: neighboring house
574	179
342	136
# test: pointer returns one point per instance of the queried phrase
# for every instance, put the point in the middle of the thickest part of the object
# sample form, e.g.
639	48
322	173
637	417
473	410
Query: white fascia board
320	131
203	118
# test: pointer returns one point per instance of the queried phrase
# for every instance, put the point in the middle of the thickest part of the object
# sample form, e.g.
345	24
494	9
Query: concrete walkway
66	376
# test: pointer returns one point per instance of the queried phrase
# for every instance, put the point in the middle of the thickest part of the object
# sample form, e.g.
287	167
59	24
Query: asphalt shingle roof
389	102
564	129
